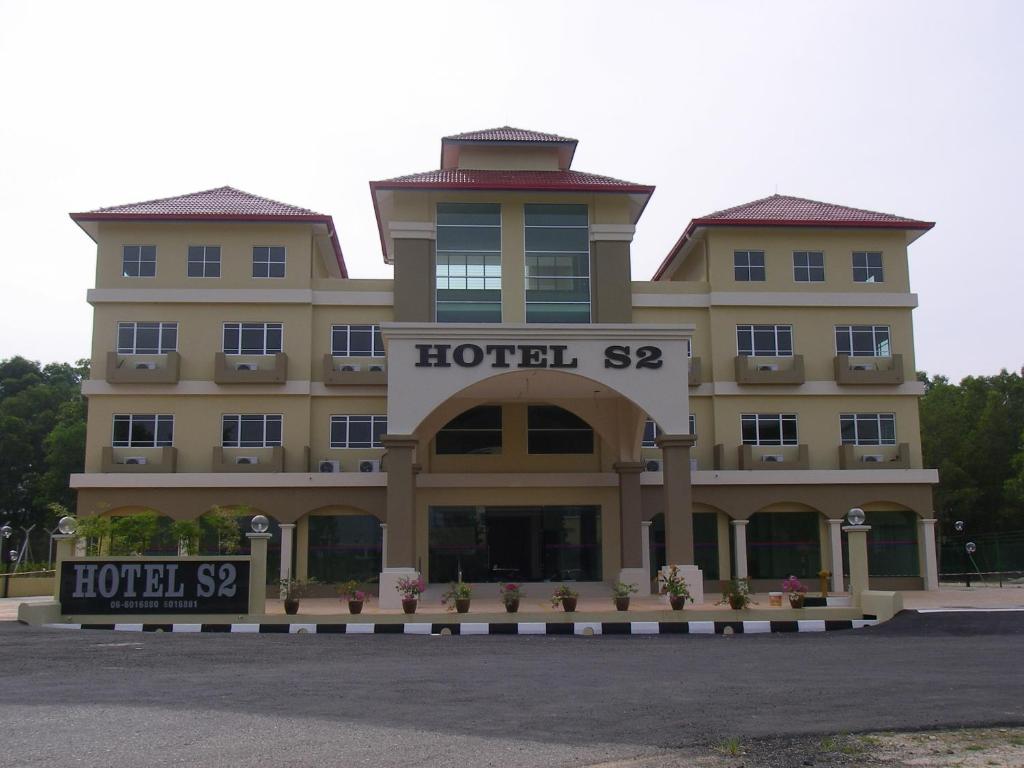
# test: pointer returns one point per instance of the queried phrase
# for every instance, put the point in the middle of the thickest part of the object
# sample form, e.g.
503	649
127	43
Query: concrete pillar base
389	598
694	581
638	577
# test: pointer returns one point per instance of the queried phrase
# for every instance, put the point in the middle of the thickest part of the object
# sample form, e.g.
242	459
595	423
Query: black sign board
154	586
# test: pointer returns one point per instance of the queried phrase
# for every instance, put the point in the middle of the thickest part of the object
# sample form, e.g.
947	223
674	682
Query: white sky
913	108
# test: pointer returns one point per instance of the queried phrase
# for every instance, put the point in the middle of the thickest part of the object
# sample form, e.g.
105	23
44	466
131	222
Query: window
358	431
652	431
268	261
143	431
251	431
768	428
146	338
868	428
356	341
468	271
252	338
748	266
557	241
863	340
764	340
138	261
808	266
477	430
204	261
867	267
550	429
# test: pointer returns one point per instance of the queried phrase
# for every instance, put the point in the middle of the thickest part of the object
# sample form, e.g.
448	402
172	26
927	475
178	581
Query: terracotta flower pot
569	604
355	606
796	600
462	605
621	603
678	602
291	607
736	602
512	605
409	604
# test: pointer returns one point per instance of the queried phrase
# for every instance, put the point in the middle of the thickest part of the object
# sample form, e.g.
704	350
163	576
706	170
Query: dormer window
468	271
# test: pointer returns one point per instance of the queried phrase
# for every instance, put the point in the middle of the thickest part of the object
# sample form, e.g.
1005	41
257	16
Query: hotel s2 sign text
554	356
154	586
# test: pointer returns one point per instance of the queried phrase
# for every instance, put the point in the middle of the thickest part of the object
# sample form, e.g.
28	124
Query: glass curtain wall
557	263
343	547
781	544
468	269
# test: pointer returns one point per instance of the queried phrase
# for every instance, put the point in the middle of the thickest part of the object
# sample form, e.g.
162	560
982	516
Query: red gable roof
507	133
788	211
798	211
219	204
469	178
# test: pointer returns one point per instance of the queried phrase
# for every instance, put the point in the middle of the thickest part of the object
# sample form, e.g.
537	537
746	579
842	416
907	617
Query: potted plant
566	597
292	591
458	595
674	585
510	596
795	591
410	589
620	595
356	597
736	594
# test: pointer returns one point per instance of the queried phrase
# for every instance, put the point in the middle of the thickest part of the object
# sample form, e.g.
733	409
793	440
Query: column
383	544
645	544
739	535
630	534
258	572
857	544
66	549
929	563
675	453
287	539
401	517
835	536
724	555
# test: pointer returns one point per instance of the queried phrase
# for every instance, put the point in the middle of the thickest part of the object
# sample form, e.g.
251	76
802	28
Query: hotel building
512	405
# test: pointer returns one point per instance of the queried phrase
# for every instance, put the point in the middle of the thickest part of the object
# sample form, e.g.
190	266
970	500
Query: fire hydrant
824	576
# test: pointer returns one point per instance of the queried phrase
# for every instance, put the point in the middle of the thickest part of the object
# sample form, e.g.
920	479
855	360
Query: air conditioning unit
369	465
652	465
773	458
863	367
329	465
348	368
767	367
378	367
872	458
134	460
246	367
145	366
247	459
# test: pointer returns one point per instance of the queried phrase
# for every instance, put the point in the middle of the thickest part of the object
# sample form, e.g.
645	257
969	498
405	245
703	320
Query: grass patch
731	747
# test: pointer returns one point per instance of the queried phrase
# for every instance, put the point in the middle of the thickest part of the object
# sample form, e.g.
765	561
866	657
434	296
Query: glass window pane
555	215
273	430
165	431
122	431
476	214
273	338
231	338
143	431
339	432
126	338
229	431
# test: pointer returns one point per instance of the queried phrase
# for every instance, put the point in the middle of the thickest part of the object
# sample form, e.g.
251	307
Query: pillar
258	572
929	561
645	544
65	550
857	545
630	533
739	535
383	544
401	517
287	539
675	465
724	555
835	537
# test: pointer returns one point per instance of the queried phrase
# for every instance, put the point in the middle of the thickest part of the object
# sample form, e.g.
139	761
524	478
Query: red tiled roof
508	133
220	204
223	201
468	178
788	211
798	211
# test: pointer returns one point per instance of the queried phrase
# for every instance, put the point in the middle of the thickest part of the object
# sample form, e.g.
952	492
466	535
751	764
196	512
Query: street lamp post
6	555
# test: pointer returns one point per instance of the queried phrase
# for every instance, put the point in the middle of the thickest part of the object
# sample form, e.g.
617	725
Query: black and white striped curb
502	628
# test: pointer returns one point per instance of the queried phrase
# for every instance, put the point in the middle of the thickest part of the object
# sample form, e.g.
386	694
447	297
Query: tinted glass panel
782	544
343	547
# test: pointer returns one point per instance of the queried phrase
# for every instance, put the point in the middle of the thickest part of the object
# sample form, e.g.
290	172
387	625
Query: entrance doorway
510	544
